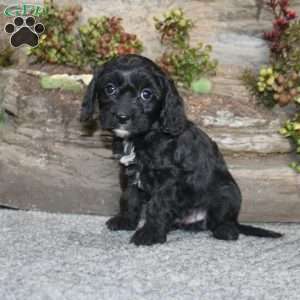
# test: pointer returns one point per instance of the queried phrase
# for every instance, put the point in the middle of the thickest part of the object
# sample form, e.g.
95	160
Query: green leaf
201	86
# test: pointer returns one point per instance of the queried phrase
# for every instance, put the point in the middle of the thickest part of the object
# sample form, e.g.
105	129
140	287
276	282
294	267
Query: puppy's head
134	96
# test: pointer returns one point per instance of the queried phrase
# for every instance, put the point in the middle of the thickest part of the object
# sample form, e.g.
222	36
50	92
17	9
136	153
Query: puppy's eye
146	94
110	89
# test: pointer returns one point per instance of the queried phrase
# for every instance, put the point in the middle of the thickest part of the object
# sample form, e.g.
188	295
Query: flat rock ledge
85	180
235	127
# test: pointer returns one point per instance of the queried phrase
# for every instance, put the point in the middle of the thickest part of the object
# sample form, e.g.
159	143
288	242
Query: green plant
93	43
174	28
183	63
271	87
287	88
260	87
284	42
289	58
279	83
291	130
188	64
58	43
103	38
6	57
283	16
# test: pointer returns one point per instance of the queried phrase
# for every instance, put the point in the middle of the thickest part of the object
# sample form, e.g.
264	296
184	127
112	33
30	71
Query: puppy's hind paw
120	223
226	232
147	236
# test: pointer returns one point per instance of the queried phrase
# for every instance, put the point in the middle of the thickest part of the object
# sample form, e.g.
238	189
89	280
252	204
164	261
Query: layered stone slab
85	180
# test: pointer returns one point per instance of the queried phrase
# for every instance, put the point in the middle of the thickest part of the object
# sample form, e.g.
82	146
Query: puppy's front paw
147	236
120	223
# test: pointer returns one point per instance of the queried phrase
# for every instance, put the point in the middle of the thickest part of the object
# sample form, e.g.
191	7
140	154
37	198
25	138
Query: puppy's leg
159	218
130	210
223	212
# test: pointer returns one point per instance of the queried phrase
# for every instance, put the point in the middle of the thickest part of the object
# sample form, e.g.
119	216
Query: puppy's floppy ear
89	100
172	117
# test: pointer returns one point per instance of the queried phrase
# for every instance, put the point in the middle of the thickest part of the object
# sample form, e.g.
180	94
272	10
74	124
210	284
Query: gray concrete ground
51	256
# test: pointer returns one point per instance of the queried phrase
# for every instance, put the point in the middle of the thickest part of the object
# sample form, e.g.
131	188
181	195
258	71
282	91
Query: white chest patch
128	157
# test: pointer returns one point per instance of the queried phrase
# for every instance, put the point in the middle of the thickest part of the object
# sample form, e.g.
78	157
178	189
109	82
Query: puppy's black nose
122	118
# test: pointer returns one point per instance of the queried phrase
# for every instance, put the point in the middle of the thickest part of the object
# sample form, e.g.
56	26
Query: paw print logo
24	31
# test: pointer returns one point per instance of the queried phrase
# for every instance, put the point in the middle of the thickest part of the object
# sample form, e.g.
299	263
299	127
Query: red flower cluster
128	43
282	18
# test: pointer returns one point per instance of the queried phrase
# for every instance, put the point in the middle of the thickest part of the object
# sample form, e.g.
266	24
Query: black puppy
168	163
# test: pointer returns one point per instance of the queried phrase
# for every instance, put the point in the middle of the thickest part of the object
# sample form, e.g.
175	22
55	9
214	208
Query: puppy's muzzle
123	122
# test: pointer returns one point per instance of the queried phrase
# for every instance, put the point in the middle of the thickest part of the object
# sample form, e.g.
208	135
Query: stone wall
231	26
48	165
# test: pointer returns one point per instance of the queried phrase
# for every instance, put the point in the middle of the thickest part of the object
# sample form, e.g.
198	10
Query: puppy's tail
256	231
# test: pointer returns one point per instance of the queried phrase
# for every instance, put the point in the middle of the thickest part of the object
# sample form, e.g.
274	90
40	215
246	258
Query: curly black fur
169	164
